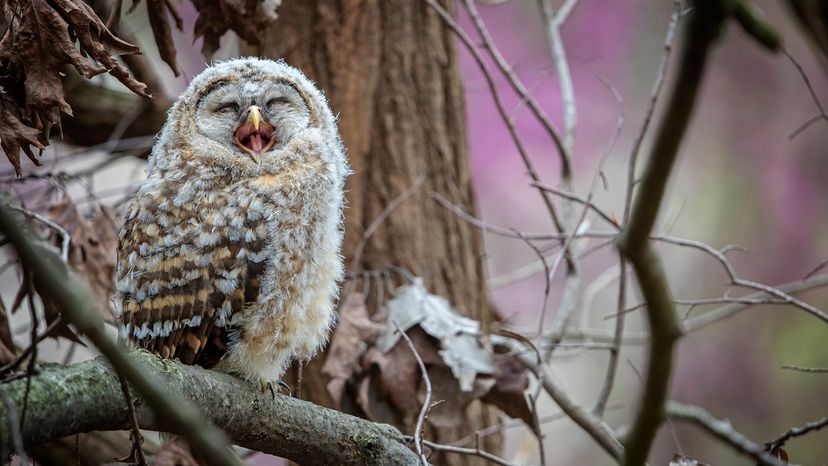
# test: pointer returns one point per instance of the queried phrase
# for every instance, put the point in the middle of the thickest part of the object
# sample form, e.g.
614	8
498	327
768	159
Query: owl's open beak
255	135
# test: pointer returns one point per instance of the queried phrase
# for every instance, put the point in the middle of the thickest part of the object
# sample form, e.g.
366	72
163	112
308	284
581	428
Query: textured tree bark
389	68
87	396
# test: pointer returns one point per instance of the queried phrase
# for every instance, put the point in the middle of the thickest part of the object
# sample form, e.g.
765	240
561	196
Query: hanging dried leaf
460	347
247	18
157	11
350	340
39	40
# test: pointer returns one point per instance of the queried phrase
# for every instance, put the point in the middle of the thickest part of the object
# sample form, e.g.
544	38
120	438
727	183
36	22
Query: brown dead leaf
399	375
354	332
40	39
508	391
92	249
247	18
157	11
445	388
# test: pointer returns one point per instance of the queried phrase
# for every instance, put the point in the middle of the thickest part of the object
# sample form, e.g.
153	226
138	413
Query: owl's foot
268	386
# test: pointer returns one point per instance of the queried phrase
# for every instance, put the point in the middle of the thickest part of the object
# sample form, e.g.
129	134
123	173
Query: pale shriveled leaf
460	347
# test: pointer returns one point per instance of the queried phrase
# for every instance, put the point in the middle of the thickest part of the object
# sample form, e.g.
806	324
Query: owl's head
243	115
252	116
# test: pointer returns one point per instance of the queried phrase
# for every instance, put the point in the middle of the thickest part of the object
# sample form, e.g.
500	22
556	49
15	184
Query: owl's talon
267	386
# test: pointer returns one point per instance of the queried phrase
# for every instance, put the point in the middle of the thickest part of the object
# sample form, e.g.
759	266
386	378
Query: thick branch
87	396
634	241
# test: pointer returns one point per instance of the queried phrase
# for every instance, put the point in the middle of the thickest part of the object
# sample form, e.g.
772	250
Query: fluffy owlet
229	254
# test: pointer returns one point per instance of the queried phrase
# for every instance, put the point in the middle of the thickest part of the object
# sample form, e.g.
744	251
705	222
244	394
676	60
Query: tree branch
87	396
634	241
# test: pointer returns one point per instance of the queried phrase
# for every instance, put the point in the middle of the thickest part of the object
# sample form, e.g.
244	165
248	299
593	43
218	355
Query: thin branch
723	431
418	428
821	115
518	86
812	370
524	155
794	432
596	428
633	243
468	451
655	92
66	238
729	310
137	453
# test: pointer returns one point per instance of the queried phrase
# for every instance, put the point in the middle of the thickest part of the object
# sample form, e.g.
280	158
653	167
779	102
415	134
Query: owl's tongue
256	142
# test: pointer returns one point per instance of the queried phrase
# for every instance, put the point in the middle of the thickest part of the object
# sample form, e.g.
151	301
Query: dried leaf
458	336
508	391
157	13
14	135
451	411
215	17
92	248
350	340
399	374
40	39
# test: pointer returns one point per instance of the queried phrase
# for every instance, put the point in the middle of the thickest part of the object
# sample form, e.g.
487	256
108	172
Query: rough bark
60	398
389	68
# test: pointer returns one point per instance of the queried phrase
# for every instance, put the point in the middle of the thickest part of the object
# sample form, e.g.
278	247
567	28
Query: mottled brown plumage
229	253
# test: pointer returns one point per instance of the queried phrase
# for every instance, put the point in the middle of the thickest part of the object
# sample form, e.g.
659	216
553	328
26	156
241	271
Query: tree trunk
389	68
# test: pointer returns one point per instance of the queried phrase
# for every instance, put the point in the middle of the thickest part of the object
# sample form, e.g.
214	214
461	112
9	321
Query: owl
229	255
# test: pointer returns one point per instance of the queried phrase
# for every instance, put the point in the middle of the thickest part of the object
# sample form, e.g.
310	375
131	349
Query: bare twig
729	310
418	429
821	115
593	426
777	443
722	430
137	453
386	212
812	370
66	238
655	92
524	154
31	348
468	451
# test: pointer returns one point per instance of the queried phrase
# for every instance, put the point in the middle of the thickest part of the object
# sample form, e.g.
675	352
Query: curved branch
87	396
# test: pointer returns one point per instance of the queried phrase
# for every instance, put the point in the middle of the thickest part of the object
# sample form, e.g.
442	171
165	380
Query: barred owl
229	254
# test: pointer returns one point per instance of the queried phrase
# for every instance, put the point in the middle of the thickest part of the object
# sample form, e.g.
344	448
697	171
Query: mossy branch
87	396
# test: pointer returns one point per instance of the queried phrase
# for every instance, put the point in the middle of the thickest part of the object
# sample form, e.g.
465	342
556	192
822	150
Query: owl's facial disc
255	135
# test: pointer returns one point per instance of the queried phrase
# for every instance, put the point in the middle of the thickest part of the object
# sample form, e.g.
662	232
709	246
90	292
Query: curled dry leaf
247	18
354	332
39	40
91	249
